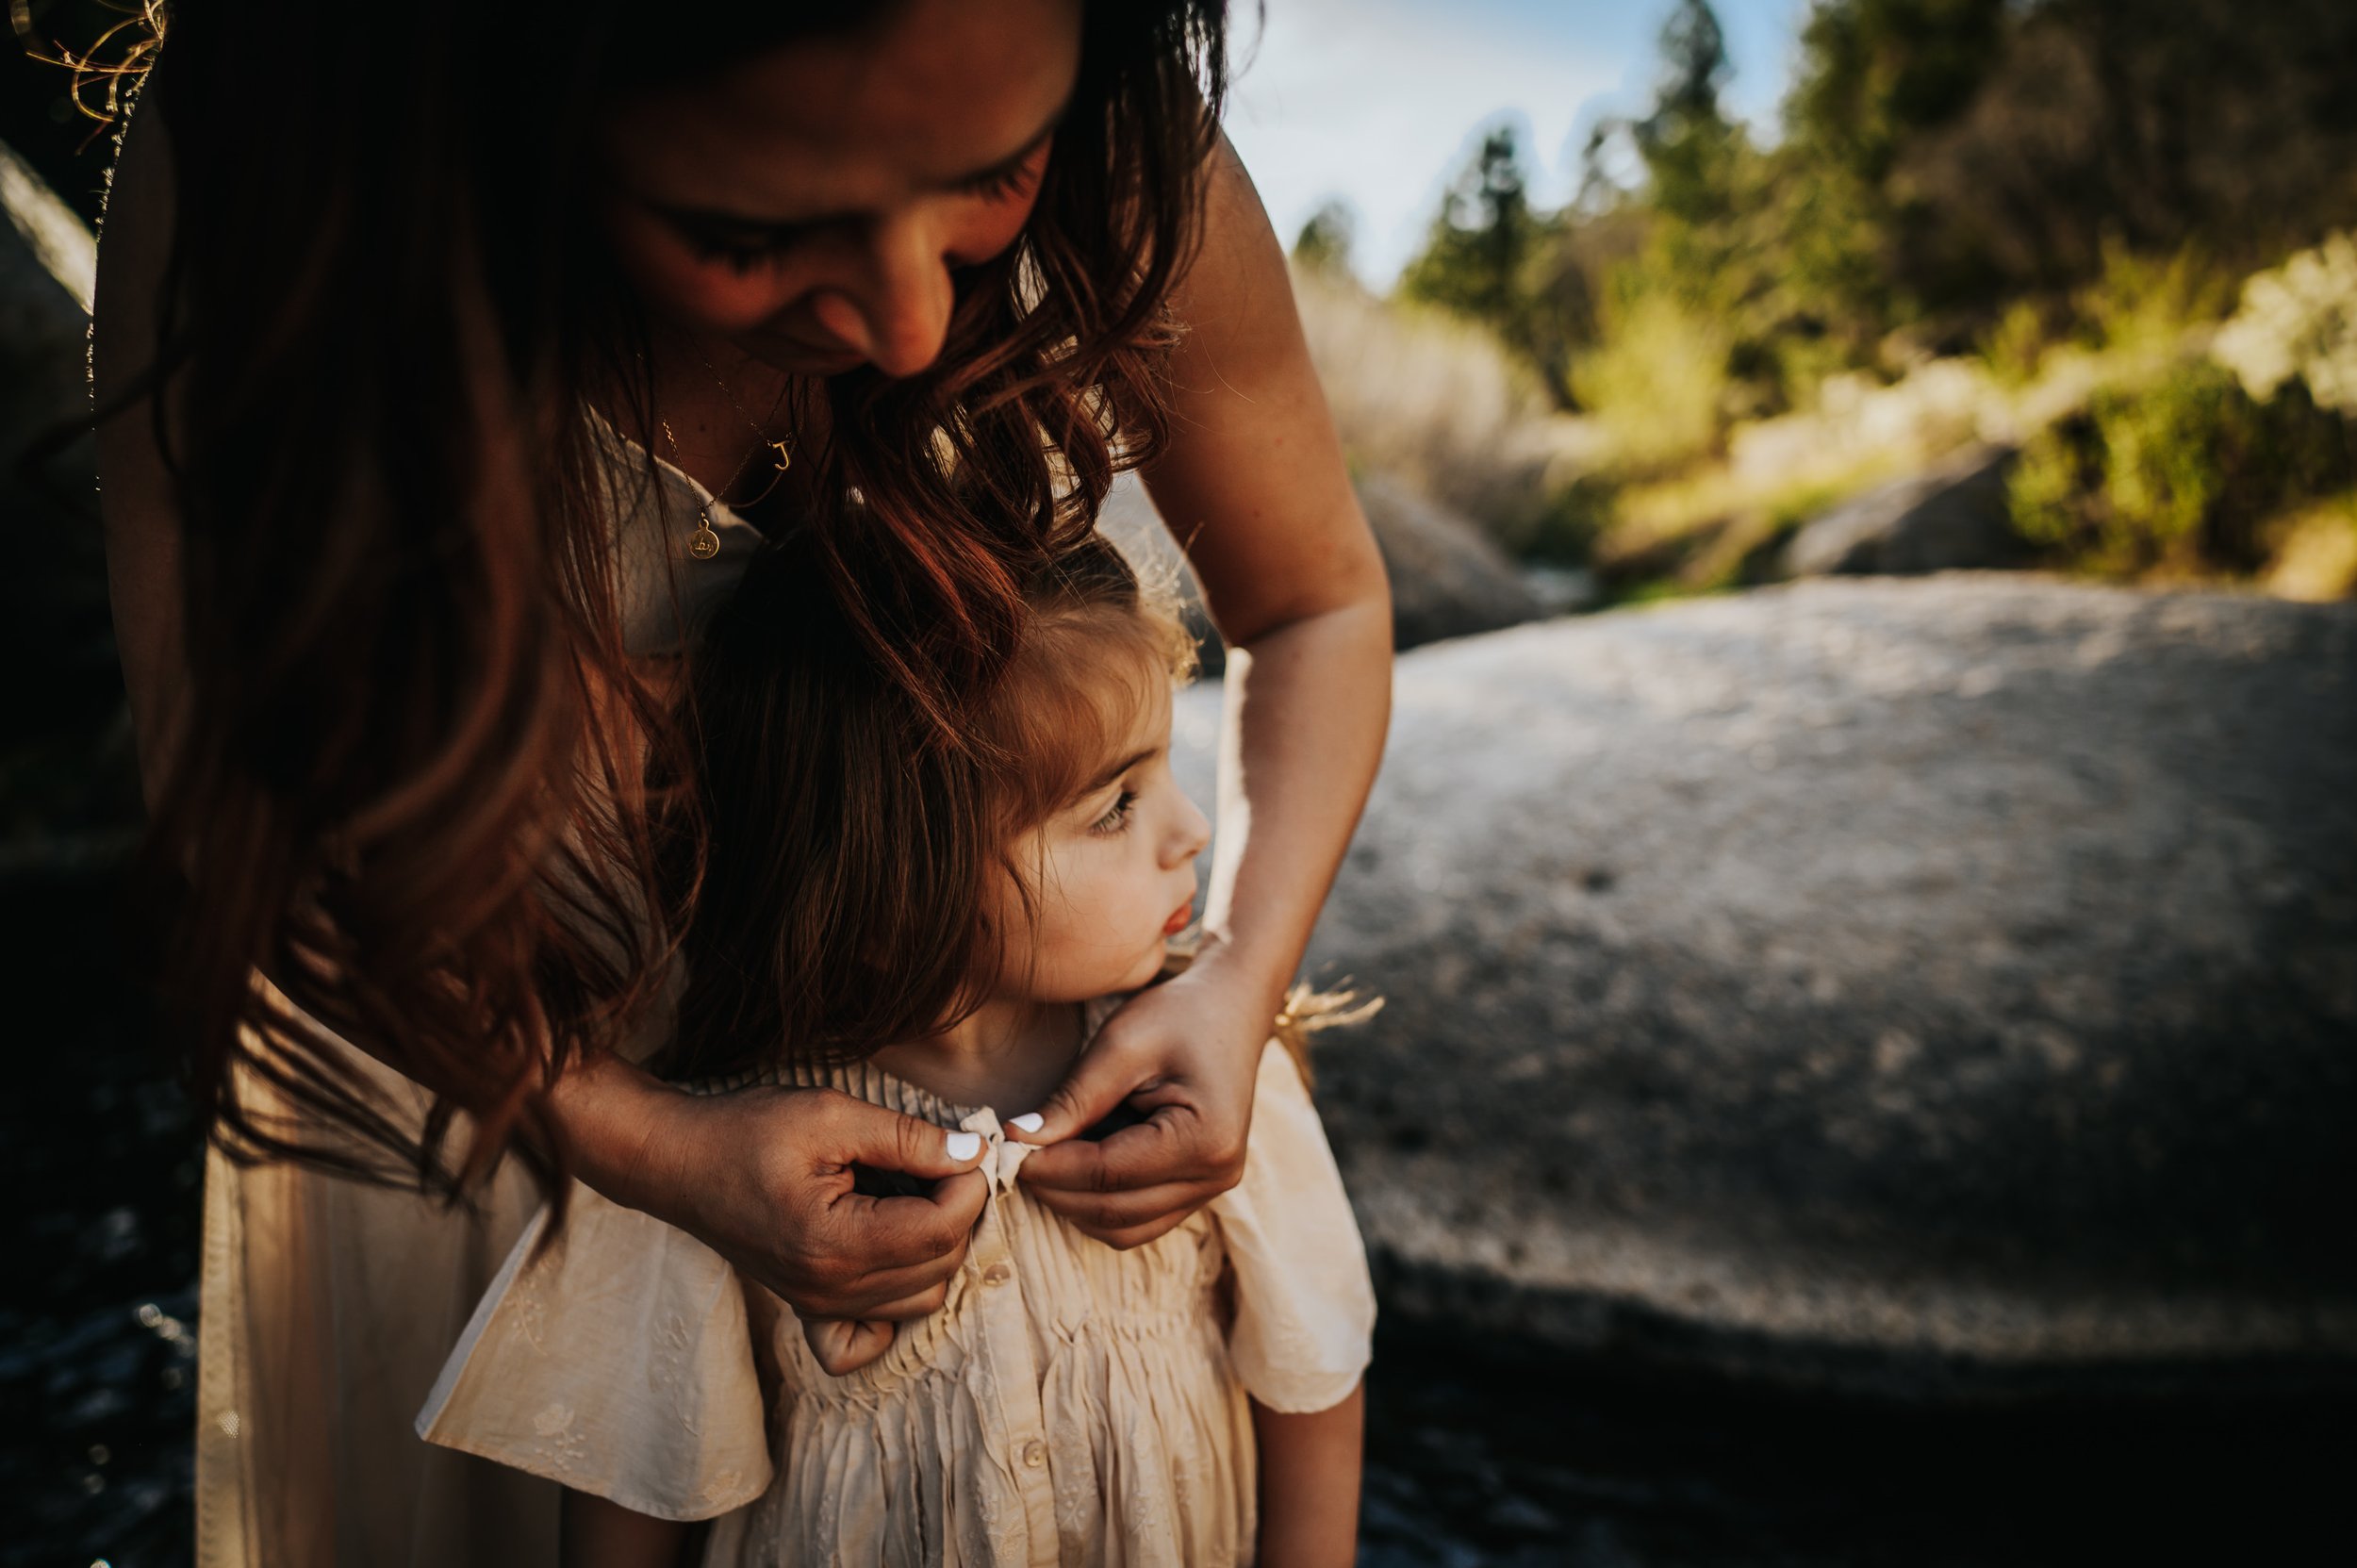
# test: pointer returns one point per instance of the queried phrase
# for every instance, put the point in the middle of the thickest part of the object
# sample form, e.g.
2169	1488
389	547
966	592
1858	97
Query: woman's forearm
614	1118
1307	706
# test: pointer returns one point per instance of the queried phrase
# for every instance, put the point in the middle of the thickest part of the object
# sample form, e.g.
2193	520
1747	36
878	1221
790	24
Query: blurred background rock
1867	1061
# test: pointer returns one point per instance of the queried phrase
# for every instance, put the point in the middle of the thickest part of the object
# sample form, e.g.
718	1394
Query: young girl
940	929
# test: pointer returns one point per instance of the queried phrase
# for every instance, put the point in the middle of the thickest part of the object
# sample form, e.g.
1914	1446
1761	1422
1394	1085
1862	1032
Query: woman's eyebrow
744	225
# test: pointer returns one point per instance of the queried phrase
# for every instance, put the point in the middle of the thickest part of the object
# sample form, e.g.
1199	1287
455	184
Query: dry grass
2314	557
1438	404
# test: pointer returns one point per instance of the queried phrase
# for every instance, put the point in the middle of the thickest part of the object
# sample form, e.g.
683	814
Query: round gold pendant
704	544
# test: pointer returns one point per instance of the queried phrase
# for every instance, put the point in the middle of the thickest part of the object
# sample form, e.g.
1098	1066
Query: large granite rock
1942	984
1448	579
1952	516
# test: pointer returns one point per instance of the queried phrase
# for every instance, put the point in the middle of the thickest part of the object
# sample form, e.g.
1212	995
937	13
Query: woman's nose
904	311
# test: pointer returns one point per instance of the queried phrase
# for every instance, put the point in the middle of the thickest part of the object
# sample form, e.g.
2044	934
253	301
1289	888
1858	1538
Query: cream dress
327	1306
1069	1404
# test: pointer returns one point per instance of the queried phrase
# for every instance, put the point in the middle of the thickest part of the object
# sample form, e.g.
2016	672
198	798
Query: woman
460	320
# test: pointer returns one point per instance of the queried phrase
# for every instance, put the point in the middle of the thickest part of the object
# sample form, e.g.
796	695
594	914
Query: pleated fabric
1070	1404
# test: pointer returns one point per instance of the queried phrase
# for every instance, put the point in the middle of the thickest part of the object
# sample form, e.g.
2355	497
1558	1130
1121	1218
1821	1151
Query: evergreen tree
1327	239
1687	141
1473	261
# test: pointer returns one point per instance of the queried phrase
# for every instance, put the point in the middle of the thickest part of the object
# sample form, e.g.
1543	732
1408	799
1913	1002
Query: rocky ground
1934	985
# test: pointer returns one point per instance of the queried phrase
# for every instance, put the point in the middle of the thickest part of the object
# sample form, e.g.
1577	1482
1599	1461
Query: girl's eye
1118	818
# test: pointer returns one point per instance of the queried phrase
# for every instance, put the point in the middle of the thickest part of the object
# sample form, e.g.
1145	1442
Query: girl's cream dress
1070	1404
327	1306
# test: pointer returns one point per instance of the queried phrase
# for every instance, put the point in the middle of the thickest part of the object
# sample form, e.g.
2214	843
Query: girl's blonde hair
841	905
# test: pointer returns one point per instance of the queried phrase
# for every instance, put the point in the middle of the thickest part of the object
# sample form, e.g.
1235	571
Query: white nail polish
1030	1121
965	1145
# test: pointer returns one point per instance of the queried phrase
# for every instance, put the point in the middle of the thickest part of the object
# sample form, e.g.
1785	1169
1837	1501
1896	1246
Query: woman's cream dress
327	1306
1069	1404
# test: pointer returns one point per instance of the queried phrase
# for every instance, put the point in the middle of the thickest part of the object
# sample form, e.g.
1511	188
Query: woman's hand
763	1177
1187	1053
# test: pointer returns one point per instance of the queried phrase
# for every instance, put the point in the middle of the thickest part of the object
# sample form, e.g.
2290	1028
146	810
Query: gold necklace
705	543
783	447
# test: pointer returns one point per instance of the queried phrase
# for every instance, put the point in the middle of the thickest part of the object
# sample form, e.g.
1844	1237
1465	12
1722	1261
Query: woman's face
808	206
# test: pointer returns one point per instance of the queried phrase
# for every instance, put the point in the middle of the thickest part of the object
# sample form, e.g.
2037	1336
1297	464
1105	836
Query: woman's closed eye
1118	817
1014	180
738	253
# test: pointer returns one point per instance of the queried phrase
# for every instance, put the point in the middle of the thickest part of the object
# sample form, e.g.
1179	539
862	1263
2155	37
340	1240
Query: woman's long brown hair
411	791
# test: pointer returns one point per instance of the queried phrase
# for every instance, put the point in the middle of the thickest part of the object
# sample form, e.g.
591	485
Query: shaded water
1480	1451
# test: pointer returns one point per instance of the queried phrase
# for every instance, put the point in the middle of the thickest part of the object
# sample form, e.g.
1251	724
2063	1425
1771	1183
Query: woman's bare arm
1254	485
764	1177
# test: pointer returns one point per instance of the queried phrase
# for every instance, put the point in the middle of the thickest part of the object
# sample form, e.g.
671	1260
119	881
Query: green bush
1657	382
2176	476
2148	301
2015	349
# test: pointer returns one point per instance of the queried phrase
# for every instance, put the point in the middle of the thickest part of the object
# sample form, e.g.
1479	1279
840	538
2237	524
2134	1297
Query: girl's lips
1177	922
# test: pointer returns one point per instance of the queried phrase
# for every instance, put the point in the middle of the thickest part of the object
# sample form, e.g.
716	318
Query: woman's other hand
763	1177
1186	1055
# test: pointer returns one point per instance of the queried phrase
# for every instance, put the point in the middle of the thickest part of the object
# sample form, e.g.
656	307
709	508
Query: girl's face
1112	873
808	206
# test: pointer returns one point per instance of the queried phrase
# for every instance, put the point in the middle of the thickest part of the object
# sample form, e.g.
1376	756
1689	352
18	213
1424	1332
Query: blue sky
1379	101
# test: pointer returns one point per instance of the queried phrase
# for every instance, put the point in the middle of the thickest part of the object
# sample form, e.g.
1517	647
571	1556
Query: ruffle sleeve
619	1362
1305	1306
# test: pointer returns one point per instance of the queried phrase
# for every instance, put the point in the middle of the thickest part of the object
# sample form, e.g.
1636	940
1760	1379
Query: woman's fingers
865	1135
842	1345
883	1233
1135	1184
1172	1145
898	1293
771	1185
907	1309
1131	1218
875	1250
1104	1076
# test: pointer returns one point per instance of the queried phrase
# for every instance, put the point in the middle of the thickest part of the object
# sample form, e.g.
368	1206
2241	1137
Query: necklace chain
705	543
760	429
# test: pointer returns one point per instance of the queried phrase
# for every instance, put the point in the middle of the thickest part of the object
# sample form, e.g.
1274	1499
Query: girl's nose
1189	834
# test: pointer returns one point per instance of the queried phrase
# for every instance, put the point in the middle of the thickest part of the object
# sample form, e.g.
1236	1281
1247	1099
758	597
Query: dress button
997	1273
1034	1454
